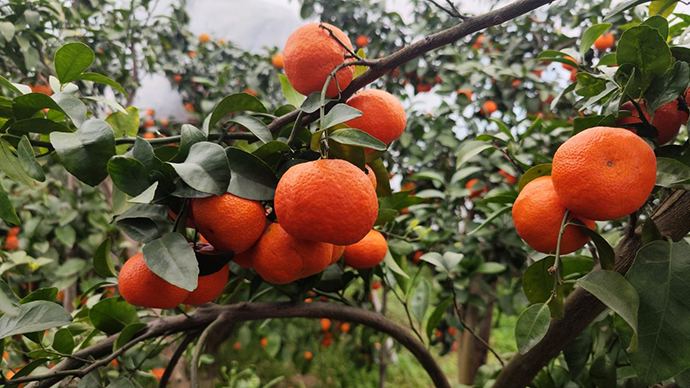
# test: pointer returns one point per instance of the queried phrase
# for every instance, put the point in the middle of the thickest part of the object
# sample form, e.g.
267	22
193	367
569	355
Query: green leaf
591	35
36	125
27	105
383	184
251	177
338	115
9	163
391	264
357	138
668	87
101	260
27	159
589	85
490	268
490	219
312	103
420	300
171	258
274	344
291	95
469	150
111	315
86	152
128	174
616	293
72	106
124	124
237	102
670	173
27	369
436	316
538	283
531	326
650	232
662	7
660	275
7	30
71	60
147	195
659	23
47	293
63	341
128	333
645	49
359	70
603	372
4	82
446	262
607	257
577	353
624	6
205	169
101	79
190	135
34	316
255	126
532	174
7	212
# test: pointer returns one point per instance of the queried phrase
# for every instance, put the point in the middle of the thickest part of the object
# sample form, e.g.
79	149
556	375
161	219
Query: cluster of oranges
325	208
12	240
602	173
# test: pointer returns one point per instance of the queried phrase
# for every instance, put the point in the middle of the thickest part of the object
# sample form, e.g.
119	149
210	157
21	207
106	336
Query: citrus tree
291	196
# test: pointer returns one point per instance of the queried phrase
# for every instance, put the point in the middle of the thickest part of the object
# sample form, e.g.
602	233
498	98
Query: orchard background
91	175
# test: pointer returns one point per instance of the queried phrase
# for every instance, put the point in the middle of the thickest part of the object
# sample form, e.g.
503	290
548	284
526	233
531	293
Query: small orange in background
277	61
568	66
417	257
228	222
368	252
345	327
439	334
308	356
177	78
308	300
115	363
149	123
326	342
10	373
237	345
362	41
164	123
538	213
604	173
158	372
466	93
192	54
189	107
325	324
222	41
43	89
489	107
5	355
423	87
11	243
478	43
471	185
251	92
509	178
451	331
263	342
538	73
139	286
204	38
516	82
573	75
408	186
438	80
605	41
375	285
150	112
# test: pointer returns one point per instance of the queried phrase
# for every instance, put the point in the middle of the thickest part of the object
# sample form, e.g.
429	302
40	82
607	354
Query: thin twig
349	50
512	161
176	357
194	367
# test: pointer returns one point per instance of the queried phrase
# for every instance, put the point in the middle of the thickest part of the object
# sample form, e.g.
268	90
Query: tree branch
419	48
672	218
250	312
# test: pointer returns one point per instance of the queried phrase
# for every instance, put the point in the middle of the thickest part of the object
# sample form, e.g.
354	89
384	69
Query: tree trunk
467	352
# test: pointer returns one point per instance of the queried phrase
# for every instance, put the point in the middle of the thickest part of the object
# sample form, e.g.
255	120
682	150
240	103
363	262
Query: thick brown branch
258	311
581	308
419	48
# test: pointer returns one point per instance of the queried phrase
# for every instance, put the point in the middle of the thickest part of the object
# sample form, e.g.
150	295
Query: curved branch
672	218
188	339
419	48
259	311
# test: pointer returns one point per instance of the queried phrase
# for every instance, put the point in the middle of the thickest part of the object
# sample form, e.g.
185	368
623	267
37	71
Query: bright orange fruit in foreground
537	214
489	107
329	200
568	66
228	222
362	41
139	286
244	259
371	176
383	115
311	54
604	41
208	286
667	119
277	61
325	324
604	173
204	38
368	252
280	258
338	251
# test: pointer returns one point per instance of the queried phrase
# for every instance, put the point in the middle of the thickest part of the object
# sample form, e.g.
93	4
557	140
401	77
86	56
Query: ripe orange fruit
604	41
264	342
308	356
375	285
177	78
192	54
158	372
371	175
209	286
280	258
604	173
228	222
538	73
244	259
475	191
237	345
489	107
11	243
538	213
149	123
338	251
367	252
251	91
204	38
568	66
150	112
362	41
423	87
383	115
164	122
573	75
139	286
277	61
44	89
417	256
509	178
667	119
325	324
451	331
467	93
311	54
345	327
478	43
516	82
329	200
189	107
